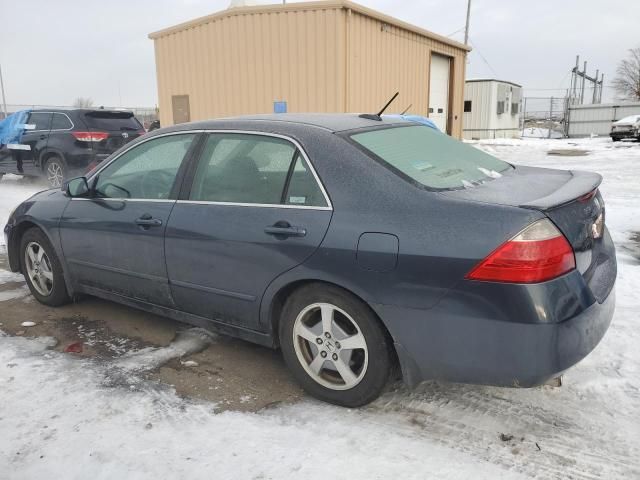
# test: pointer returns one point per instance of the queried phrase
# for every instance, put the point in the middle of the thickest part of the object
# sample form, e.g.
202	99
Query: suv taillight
90	136
538	253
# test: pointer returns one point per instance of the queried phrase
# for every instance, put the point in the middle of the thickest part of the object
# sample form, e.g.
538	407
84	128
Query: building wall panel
241	64
386	58
585	120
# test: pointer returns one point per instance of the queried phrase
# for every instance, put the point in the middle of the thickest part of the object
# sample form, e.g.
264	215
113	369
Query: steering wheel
154	179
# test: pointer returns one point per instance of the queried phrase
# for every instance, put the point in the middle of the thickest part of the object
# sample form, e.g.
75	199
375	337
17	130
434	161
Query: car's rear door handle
148	221
284	229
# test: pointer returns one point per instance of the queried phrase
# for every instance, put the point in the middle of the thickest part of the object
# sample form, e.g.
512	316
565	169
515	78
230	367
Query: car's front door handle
284	229
148	221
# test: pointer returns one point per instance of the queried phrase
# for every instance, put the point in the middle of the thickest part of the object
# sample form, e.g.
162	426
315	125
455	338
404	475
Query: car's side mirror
77	187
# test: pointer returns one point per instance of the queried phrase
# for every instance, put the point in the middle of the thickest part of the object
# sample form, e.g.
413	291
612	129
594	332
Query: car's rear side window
254	169
429	157
112	121
61	122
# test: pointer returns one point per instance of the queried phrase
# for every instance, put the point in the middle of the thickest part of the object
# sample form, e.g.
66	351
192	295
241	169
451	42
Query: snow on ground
64	416
13	190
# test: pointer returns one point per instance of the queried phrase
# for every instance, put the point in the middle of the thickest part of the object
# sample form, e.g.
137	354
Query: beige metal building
329	56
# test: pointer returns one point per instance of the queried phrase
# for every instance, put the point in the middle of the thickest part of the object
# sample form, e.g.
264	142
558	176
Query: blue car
355	244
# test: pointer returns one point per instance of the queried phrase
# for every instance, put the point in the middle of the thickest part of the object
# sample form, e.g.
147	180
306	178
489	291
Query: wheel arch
274	307
13	248
47	153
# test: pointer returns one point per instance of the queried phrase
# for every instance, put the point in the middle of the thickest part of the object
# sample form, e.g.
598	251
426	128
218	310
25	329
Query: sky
52	52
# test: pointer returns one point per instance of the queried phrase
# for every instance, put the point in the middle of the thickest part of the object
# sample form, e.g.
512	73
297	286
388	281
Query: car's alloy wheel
55	172
330	346
38	268
335	345
42	269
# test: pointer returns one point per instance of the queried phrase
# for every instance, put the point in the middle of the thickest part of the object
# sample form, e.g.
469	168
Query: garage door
439	91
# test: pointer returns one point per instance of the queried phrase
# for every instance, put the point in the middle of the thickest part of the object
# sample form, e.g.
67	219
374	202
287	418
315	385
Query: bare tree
627	81
82	102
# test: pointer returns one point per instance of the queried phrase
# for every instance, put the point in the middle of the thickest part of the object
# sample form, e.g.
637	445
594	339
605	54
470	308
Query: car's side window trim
56	129
184	194
192	158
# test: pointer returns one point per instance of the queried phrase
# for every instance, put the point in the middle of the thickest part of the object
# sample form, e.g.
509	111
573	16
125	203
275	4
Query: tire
615	139
54	171
303	339
42	269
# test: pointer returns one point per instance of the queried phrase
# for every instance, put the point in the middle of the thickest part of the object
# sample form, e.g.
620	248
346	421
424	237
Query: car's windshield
431	158
112	121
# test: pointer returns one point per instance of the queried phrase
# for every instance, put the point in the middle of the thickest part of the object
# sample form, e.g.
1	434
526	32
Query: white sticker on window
298	200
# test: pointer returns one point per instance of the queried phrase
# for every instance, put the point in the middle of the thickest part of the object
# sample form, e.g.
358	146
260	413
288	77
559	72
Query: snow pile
186	343
13	191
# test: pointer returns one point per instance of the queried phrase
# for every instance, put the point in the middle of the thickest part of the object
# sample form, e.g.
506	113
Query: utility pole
550	124
582	86
466	26
4	100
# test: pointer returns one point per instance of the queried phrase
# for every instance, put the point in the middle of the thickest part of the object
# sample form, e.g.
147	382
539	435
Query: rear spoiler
578	185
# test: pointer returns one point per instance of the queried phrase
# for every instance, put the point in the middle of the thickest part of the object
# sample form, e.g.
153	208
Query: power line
457	31
475	48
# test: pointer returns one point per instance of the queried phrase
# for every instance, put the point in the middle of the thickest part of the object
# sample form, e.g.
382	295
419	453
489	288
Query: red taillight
588	196
90	136
538	253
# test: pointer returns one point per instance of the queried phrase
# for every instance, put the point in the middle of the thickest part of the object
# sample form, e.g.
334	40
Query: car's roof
629	119
334	122
79	110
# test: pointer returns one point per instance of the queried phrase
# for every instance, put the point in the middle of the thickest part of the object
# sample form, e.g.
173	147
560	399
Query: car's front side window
40	120
147	171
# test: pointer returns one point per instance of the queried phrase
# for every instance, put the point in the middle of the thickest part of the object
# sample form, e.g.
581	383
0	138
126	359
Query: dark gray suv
66	143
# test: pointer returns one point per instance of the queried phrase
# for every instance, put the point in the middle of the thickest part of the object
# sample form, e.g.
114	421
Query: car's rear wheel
54	171
335	345
42	269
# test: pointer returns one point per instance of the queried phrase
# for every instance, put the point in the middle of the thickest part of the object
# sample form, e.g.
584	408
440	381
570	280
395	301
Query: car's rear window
429	157
113	121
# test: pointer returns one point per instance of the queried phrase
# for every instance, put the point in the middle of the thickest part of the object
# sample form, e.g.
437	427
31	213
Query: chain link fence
544	117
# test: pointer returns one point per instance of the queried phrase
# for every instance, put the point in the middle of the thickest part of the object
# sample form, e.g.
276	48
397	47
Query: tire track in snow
470	419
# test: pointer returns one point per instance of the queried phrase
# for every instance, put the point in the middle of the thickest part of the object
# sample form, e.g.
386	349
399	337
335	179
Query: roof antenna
376	116
406	109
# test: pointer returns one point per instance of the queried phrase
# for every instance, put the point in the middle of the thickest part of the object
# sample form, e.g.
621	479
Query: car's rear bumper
466	349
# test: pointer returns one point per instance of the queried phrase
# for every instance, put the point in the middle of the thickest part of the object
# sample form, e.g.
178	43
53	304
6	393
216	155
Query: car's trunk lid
569	198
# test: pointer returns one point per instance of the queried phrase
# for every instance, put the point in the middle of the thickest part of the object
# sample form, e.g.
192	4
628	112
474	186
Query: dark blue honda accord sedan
352	243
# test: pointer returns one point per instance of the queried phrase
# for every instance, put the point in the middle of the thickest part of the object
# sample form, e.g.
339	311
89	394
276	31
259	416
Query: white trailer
491	109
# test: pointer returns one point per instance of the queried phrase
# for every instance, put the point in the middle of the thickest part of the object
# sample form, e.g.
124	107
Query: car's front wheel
335	345
54	171
42	269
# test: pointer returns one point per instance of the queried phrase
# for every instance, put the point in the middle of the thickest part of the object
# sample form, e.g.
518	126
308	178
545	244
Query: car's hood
626	124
